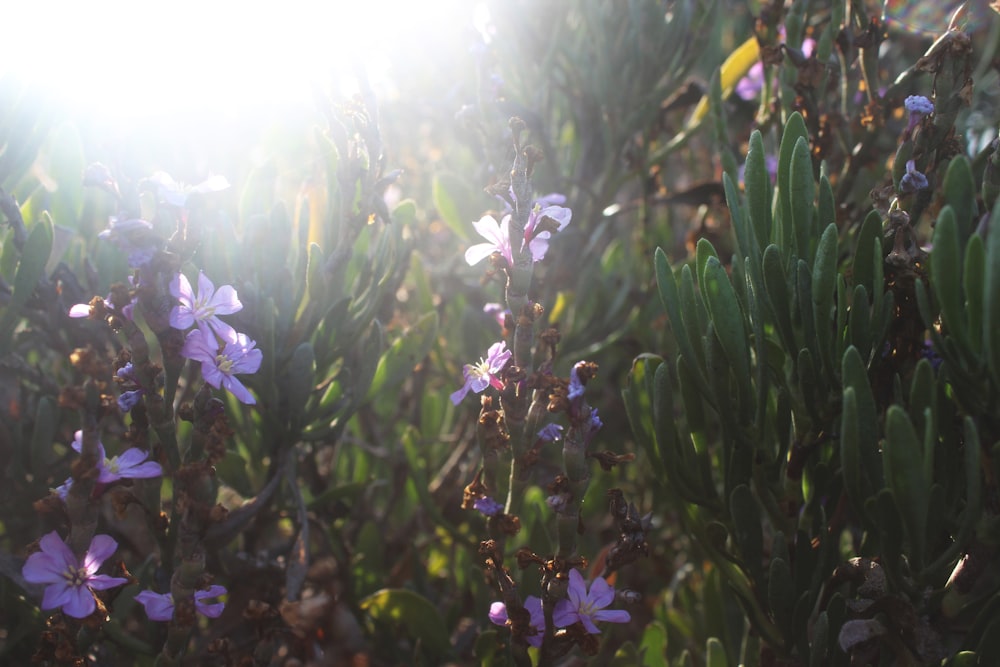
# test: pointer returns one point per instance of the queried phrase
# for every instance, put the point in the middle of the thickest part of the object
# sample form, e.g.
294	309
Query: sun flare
123	59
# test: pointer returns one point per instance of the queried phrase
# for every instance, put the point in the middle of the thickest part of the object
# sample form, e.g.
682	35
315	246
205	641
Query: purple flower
918	106
533	604
538	240
750	85
483	374
70	581
498	236
129	399
160	606
912	180
204	307
550	433
135	237
497	311
170	192
487	506
588	608
130	464
219	365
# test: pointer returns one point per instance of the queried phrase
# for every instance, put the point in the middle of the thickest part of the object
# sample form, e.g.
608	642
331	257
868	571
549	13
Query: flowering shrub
678	411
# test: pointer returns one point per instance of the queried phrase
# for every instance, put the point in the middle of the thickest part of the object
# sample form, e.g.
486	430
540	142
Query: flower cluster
546	217
222	351
580	606
160	606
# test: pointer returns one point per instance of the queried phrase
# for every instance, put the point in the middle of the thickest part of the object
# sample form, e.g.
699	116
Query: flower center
111	464
75	576
224	363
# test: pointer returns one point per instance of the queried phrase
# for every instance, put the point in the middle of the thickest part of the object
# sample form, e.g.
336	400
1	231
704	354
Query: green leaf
758	191
973	283
867	252
653	645
781	595
30	270
903	457
960	194
299	380
820	641
446	192
667	287
727	318
946	274
744	235
802	196
405	353
795	129
824	277
715	653
855	375
991	299
411	613
43	435
850	455
641	409
776	285
315	275
747	530
703	251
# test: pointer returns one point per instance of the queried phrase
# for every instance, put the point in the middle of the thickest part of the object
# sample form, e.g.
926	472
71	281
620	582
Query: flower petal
457	396
479	252
43	568
158	606
80	603
180	288
577	590
225	301
80	310
101	548
565	614
56	595
498	613
102	582
237	389
601	593
54	546
206	288
613	616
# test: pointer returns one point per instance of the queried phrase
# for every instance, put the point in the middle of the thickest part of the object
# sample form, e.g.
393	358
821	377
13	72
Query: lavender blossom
485	373
130	464
70	581
160	606
588	607
550	433
135	238
219	365
497	235
487	506
533	604
203	309
912	180
918	106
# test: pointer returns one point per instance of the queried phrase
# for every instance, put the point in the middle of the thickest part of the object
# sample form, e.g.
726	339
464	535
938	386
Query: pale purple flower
485	373
550	433
588	607
912	180
220	364
918	106
160	606
497	235
497	311
135	237
750	85
538	241
80	310
70	581
130	464
487	506
63	489
171	192
129	399
533	604
203	308
558	502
